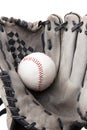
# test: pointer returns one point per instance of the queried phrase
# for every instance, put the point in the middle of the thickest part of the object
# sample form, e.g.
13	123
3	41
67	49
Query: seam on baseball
39	65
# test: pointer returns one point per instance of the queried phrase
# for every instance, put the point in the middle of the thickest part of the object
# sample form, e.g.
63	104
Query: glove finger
67	47
73	85
79	73
82	100
80	56
52	37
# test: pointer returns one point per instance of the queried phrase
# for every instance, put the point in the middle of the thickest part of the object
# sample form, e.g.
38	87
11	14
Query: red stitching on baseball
36	61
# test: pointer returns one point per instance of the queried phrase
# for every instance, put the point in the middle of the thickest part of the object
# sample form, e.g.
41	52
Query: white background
34	10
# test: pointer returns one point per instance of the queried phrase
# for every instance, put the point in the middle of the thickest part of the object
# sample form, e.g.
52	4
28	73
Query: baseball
37	71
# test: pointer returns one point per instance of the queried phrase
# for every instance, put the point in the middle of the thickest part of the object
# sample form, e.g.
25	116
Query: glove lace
77	26
61	26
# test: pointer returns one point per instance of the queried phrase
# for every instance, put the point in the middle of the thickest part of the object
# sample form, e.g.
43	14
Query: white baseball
37	71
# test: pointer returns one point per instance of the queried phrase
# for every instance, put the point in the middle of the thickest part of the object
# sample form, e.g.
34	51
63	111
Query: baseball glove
63	105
